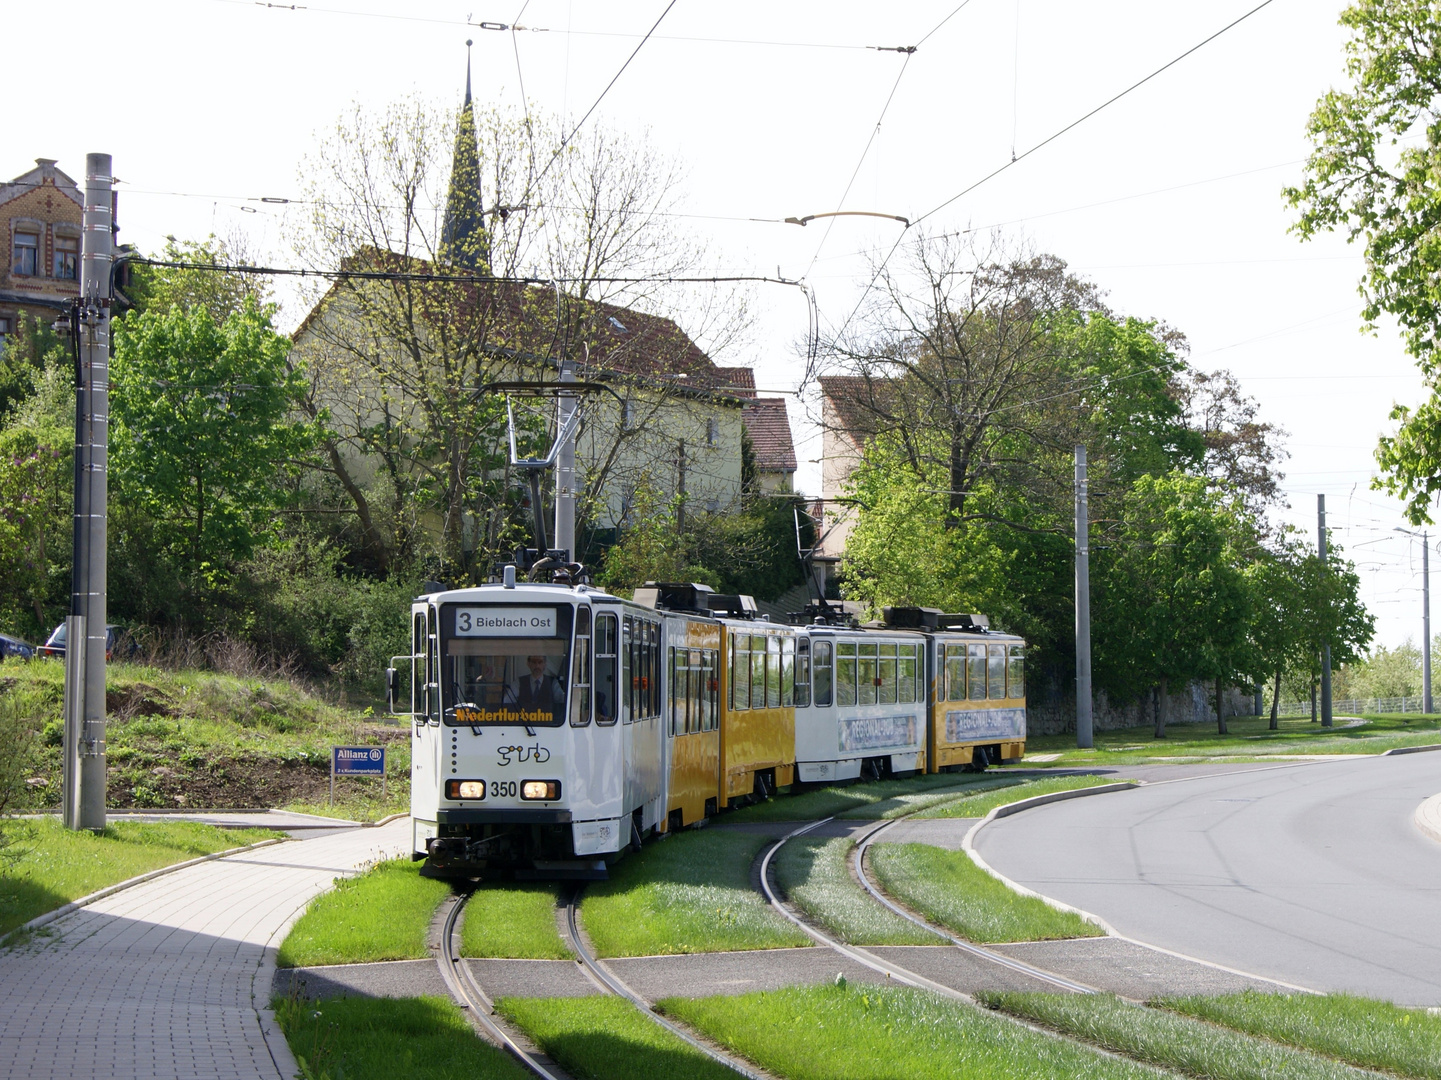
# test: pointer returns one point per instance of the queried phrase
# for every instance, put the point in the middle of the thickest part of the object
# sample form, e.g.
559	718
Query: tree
157	289
1174	576
1331	611
1372	173
202	429
1279	628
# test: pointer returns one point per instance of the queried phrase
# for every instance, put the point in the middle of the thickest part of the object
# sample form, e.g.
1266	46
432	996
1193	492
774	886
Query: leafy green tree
1278	623
159	288
1331	612
203	435
1372	174
1175	581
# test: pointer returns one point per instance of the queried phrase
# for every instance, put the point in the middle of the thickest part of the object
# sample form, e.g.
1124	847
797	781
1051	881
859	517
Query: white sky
1169	199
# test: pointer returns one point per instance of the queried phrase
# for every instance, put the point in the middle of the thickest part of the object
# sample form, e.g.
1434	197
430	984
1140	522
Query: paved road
1312	873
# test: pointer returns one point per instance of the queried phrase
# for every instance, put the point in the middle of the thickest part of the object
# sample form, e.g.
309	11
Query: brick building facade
40	219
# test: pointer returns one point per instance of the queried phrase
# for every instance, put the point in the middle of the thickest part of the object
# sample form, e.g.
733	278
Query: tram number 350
502	789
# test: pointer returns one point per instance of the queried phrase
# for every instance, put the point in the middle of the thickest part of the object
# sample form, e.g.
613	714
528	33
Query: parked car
16	647
54	647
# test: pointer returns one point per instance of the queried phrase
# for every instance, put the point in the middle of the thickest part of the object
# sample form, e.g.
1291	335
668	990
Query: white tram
554	725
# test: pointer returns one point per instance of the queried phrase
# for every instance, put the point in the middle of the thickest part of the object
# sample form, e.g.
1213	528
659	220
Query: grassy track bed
1249	737
888	1033
373	1039
881	798
55	865
1170	1041
691	893
815	875
605	1038
1369	1034
951	891
383	914
982	803
515	921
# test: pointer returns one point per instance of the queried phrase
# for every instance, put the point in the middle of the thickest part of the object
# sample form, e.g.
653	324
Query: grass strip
382	914
424	1038
691	893
1168	1040
605	1038
54	865
516	921
841	800
888	1033
816	876
982	804
1367	1033
951	891
915	802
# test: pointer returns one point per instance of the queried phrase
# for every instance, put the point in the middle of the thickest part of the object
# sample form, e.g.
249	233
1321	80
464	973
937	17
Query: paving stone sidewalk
171	978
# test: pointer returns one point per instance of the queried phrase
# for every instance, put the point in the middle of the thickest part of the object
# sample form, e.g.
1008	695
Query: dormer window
67	257
25	258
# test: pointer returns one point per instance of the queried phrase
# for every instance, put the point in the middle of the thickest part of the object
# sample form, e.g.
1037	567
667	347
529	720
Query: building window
25	259
67	257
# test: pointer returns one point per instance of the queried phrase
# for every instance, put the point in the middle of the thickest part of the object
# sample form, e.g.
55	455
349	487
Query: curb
1411	749
1428	817
100	894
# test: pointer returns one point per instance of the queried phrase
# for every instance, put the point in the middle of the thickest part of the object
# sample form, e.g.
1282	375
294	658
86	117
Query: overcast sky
1169	199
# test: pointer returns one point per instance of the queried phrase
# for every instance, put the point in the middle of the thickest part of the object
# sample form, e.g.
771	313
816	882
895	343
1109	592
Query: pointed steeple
464	243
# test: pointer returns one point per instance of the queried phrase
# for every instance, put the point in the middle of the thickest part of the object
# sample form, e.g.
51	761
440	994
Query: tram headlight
465	789
544	790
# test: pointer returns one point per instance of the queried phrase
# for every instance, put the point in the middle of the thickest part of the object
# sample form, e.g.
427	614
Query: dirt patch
138	699
227	782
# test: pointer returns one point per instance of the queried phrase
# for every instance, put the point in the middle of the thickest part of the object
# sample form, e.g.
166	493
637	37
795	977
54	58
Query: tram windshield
505	665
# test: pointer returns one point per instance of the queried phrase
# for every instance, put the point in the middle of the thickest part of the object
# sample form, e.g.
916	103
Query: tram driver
538	690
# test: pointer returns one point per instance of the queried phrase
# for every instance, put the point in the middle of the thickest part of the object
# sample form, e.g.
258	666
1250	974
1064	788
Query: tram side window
788	672
997	672
605	665
955	673
773	673
976	671
432	667
580	676
710	690
740	673
653	657
758	671
887	674
867	679
906	668
845	673
802	681
677	693
821	672
417	668
1016	673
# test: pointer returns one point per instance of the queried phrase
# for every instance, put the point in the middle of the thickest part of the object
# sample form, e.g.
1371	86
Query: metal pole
89	575
1083	607
74	715
565	470
680	488
1326	715
1426	621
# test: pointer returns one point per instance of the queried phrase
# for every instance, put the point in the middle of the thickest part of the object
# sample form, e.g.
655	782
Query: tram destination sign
504	622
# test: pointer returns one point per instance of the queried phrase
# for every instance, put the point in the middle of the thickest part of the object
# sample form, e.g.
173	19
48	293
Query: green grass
691	893
605	1038
1369	1034
511	920
881	798
816	877
1248	739
382	914
951	891
55	865
888	1033
982	804
1167	1040
355	1038
198	739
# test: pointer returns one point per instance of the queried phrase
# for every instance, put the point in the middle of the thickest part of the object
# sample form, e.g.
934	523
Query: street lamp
1425	617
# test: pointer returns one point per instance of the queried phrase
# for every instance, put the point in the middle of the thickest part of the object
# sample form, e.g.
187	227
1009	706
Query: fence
1353	706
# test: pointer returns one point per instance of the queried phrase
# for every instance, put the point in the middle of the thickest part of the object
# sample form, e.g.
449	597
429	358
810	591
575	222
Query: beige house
40	215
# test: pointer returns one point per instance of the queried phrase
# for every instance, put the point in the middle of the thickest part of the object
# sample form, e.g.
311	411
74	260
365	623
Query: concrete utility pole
1083	606
566	405
1326	716
84	801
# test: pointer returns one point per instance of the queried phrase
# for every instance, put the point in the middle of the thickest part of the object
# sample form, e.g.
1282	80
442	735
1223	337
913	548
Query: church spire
463	240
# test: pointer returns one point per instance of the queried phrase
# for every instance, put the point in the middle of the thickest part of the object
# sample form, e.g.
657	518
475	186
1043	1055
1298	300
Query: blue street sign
357	761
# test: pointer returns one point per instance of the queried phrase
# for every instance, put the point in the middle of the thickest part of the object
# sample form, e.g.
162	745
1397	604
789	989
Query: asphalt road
1312	873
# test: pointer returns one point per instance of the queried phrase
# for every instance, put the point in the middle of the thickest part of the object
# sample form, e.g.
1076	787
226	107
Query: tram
553	726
